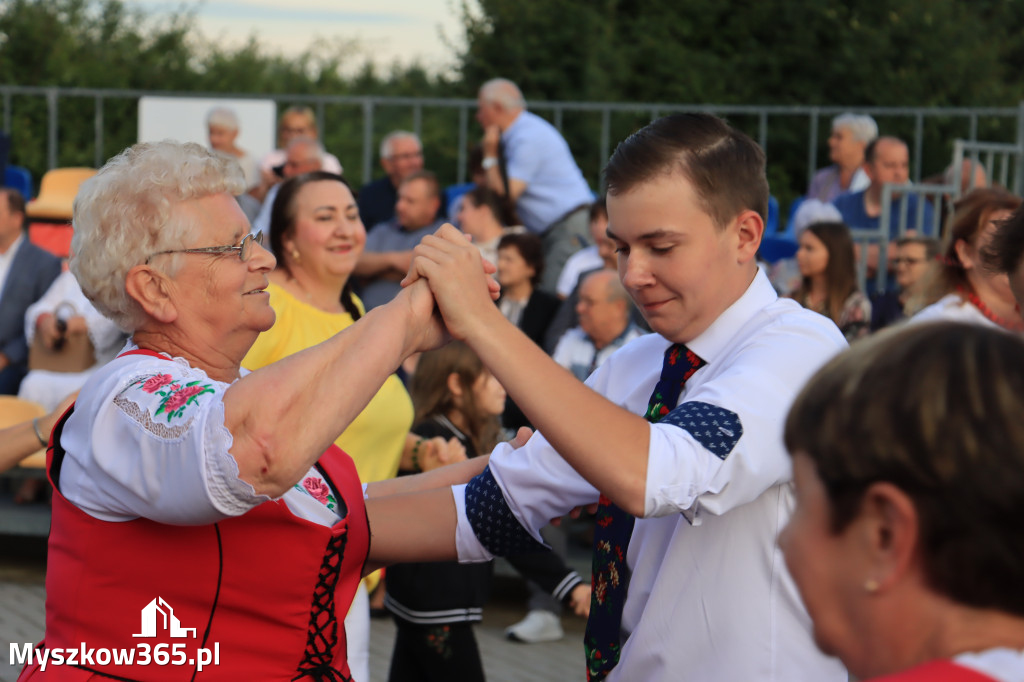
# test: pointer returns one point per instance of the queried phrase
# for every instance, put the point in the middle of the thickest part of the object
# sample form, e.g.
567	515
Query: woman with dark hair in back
960	287
317	236
829	284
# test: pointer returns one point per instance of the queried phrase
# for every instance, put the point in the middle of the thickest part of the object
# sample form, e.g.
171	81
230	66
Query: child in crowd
436	604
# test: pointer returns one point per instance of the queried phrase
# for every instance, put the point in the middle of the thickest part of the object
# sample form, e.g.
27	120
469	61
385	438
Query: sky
386	30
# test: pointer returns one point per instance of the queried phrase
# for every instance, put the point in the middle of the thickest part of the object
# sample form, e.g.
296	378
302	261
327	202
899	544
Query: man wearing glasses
913	256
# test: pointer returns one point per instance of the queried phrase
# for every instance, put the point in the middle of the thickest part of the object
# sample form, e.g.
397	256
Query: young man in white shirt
708	478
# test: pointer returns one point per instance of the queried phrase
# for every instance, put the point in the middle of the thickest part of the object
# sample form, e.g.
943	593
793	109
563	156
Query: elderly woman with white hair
222	127
208	499
850	135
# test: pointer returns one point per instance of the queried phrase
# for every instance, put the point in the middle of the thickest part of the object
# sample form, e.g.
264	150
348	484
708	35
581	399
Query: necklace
972	298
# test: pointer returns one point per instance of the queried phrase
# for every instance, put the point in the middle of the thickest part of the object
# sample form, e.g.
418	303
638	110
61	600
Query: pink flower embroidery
156	382
181	397
317	488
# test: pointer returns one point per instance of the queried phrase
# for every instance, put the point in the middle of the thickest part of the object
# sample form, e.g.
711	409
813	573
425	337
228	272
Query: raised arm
608	447
283	416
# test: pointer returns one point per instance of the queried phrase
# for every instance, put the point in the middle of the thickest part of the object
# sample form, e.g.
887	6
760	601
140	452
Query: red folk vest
937	671
267	591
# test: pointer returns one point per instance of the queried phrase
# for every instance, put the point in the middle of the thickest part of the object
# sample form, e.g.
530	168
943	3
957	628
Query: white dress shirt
709	597
6	258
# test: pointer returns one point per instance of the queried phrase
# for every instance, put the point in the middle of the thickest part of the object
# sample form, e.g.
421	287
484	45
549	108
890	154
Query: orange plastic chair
15	411
57	191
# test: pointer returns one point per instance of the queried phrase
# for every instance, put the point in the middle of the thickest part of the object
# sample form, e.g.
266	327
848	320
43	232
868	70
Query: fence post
367	139
98	123
812	146
7	111
918	144
460	171
606	133
51	140
1019	179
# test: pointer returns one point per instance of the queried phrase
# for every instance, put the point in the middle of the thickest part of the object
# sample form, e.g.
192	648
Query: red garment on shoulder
937	671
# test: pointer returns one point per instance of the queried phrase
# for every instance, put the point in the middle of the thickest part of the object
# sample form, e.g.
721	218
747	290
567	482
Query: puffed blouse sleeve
147	439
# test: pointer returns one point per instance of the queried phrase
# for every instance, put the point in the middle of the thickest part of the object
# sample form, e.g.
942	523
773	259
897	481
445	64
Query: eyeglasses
244	248
907	261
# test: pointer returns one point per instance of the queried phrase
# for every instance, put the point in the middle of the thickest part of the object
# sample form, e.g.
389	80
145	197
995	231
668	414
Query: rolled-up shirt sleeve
722	446
151	442
536	485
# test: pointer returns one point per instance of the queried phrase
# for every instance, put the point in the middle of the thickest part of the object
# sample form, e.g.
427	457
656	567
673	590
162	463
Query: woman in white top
184	481
959	286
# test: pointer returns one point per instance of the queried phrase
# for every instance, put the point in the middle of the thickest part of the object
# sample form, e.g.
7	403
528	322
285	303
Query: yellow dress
376	437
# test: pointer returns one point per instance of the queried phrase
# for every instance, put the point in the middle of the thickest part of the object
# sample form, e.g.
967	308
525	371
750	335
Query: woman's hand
426	329
458	278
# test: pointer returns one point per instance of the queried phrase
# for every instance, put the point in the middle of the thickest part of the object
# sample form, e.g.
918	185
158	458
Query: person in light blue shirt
528	160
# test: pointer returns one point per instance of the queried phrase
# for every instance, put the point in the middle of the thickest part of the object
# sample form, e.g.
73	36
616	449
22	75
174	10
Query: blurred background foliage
941	53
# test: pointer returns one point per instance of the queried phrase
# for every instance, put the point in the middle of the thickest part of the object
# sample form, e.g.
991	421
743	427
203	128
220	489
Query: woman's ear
963	252
890	532
150	288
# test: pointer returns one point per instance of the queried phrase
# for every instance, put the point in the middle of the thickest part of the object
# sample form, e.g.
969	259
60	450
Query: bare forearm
413	527
442	477
282	417
607	445
19	441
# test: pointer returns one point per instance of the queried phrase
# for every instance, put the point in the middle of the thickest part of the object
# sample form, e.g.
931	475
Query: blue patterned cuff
716	428
494	524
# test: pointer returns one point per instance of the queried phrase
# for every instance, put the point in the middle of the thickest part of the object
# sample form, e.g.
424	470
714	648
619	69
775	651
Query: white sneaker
538	626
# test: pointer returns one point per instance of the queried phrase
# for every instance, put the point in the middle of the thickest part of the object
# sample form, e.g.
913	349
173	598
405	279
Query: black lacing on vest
322	634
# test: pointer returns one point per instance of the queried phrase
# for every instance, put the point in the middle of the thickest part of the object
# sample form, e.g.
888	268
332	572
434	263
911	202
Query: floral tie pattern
615	526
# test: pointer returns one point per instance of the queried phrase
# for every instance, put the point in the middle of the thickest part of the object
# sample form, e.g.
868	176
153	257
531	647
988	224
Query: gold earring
295	255
870	586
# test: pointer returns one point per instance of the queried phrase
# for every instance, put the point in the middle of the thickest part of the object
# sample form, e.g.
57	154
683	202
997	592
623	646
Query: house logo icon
170	623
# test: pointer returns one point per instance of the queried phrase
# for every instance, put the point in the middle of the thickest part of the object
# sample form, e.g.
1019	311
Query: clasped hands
459	280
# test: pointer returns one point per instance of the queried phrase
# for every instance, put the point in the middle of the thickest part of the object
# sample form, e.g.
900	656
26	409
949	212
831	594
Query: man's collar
709	344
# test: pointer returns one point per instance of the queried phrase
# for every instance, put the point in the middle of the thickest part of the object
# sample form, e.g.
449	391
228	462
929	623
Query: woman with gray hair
850	135
222	127
210	499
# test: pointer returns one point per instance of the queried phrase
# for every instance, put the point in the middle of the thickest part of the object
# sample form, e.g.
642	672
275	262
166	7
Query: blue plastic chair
776	245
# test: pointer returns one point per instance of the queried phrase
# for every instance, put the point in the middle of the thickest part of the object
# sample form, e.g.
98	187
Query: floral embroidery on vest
318	489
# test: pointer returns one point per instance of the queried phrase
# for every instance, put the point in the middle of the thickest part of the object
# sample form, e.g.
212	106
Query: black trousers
435	653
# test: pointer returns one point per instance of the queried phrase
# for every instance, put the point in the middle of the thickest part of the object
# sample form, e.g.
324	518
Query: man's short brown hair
725	166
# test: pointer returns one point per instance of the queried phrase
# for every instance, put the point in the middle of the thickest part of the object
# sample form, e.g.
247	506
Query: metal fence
793	134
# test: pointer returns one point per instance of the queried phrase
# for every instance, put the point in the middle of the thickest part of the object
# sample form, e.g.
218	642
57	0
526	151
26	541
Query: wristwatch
489	162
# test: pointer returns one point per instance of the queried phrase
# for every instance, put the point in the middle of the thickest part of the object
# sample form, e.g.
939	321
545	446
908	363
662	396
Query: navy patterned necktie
614	527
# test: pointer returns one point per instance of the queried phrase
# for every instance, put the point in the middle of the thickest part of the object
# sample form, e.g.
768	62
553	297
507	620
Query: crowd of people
288	413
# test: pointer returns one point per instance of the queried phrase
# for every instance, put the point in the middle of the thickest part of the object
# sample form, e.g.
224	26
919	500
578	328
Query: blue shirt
851	207
537	154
